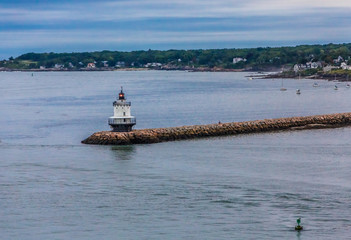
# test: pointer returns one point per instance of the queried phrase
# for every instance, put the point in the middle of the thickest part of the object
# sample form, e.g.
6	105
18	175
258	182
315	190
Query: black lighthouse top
121	95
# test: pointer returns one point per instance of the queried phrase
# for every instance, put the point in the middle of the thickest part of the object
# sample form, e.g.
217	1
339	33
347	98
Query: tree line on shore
255	59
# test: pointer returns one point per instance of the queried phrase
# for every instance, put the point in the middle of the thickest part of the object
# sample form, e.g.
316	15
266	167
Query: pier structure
122	120
155	135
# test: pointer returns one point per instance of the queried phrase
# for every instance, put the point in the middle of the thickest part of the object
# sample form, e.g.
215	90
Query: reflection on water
298	235
123	152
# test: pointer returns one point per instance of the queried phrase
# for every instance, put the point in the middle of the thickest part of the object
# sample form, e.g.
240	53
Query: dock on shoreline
156	135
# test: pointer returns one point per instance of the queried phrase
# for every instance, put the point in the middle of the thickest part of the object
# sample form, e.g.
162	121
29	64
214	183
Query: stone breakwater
156	135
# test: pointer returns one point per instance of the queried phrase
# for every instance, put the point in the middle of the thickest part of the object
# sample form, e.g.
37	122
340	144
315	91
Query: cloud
86	25
156	9
47	38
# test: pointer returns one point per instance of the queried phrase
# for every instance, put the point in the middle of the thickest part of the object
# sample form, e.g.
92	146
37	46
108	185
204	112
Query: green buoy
298	227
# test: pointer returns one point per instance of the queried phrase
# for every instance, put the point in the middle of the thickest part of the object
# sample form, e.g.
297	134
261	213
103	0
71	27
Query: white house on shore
120	64
345	66
308	65
314	65
299	67
154	64
238	59
104	63
338	60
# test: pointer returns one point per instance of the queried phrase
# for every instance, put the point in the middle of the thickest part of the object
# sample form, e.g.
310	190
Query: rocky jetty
156	135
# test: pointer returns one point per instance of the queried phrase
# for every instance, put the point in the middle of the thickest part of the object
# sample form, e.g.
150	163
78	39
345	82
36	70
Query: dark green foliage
309	72
257	58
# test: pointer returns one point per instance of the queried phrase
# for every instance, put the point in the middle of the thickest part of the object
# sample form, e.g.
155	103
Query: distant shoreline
126	69
72	70
264	74
324	76
304	60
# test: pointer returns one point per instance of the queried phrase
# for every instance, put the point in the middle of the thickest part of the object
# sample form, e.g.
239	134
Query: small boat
250	78
335	87
298	92
282	88
315	84
348	85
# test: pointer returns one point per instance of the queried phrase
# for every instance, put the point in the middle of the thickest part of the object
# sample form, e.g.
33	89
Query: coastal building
345	66
120	64
314	65
299	67
58	66
338	60
91	65
104	63
153	65
121	121
238	59
308	65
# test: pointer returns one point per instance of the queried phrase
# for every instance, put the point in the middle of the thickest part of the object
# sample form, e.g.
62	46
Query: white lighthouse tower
121	121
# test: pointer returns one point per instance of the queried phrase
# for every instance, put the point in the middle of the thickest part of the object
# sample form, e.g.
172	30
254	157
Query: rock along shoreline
156	135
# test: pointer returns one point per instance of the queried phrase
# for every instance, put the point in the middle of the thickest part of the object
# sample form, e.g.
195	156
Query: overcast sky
125	25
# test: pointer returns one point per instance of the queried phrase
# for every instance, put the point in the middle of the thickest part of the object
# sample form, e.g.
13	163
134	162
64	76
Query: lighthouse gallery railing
113	121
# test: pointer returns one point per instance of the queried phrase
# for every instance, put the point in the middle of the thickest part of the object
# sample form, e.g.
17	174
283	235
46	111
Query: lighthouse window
124	120
124	113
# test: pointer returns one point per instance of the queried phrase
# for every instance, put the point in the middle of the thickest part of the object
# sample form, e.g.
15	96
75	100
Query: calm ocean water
239	187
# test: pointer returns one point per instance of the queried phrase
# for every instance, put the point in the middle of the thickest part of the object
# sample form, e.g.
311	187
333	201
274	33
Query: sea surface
251	186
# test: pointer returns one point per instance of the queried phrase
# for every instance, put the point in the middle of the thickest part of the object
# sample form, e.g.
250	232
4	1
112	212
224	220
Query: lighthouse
121	121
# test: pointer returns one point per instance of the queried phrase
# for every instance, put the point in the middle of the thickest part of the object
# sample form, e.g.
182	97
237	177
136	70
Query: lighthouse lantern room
121	121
